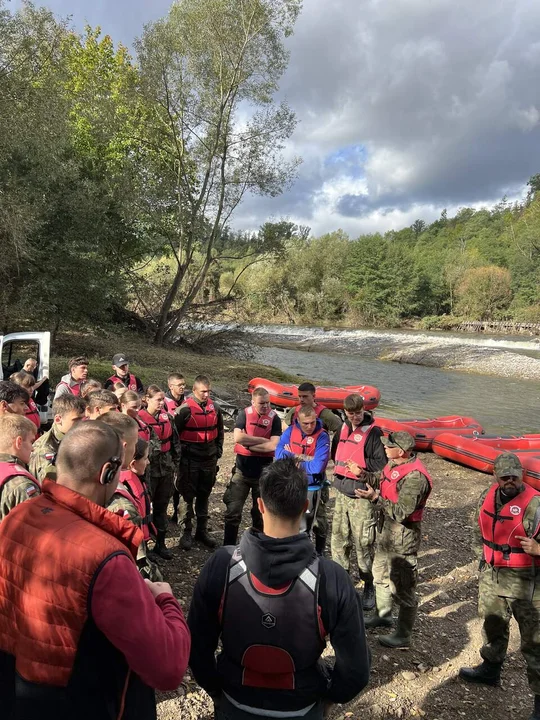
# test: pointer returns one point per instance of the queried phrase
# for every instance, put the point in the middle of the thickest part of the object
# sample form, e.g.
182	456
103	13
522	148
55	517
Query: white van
15	348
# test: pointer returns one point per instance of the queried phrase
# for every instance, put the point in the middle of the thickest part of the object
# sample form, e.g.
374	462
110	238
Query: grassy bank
153	364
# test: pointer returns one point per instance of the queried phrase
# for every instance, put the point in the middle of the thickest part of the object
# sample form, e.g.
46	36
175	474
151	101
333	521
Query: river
503	405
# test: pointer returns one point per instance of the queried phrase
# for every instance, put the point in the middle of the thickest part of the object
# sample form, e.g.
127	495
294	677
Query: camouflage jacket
120	505
396	533
43	458
16	490
510	582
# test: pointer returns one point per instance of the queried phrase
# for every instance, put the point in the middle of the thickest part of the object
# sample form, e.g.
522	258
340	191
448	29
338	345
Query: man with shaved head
81	633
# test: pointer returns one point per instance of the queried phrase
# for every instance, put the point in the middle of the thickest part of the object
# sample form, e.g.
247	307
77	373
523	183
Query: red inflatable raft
424	431
479	452
284	395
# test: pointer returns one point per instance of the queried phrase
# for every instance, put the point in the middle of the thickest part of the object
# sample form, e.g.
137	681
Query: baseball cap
506	465
401	439
120	359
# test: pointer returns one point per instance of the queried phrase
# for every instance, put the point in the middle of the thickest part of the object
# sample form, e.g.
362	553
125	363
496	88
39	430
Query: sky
404	107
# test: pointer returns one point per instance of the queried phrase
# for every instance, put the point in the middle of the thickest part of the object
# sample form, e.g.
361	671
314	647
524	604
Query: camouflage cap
506	465
401	439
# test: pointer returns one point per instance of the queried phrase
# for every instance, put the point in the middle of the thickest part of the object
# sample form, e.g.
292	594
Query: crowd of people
90	629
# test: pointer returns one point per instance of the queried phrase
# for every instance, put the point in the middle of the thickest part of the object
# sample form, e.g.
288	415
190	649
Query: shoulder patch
31	490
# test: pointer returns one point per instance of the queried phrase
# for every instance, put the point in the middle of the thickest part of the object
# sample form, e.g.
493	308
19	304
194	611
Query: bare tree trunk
161	329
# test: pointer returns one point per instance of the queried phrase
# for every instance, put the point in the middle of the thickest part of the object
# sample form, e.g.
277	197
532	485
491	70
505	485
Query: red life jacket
256	426
317	407
33	413
161	426
73	389
272	637
499	531
391	478
134	489
202	424
48	582
130	381
171	404
144	430
351	446
301	444
12	468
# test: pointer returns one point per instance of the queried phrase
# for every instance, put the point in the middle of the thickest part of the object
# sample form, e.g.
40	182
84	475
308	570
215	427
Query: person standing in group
110	637
256	435
273	602
27	381
78	373
174	398
121	374
308	443
41	387
161	472
13	398
100	402
306	398
506	539
17	484
89	386
400	494
128	500
354	522
199	423
67	411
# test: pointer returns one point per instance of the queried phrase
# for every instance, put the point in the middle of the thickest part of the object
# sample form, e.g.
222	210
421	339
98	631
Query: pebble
408	675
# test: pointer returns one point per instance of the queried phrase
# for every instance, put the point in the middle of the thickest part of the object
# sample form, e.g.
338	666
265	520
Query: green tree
211	132
485	292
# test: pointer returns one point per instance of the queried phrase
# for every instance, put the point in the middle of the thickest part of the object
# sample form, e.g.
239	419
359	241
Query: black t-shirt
252	466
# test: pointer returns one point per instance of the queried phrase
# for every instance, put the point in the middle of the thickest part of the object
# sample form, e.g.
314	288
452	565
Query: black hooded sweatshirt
275	562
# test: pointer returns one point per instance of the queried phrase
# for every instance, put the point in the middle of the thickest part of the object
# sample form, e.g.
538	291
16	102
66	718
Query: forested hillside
120	176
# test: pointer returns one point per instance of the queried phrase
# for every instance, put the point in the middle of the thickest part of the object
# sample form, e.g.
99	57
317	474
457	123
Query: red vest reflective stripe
33	413
144	430
391	478
135	491
202	424
317	407
171	404
131	383
256	426
301	444
161	426
14	468
499	532
351	447
73	389
44	596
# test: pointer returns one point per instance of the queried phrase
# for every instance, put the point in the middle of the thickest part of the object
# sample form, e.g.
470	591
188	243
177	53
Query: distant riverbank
502	356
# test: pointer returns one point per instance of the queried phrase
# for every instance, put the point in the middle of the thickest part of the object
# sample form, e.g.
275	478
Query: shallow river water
501	405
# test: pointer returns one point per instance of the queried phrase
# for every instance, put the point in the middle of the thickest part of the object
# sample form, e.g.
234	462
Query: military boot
487	673
401	638
161	549
536	709
378	621
202	536
230	534
368	597
320	544
186	541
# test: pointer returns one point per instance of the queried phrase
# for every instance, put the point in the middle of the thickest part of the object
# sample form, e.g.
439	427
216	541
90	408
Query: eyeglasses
394	442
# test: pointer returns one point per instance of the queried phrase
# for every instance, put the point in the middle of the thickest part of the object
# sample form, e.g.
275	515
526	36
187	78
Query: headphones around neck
114	463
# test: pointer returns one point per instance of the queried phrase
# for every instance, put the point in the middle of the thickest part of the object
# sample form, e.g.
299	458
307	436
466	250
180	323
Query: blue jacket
316	467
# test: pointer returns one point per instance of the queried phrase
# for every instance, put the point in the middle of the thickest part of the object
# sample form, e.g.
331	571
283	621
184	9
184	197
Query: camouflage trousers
235	497
353	524
395	577
497	612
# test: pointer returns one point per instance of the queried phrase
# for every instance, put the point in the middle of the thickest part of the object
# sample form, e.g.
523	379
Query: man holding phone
359	455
